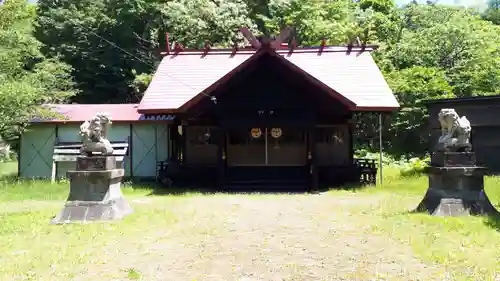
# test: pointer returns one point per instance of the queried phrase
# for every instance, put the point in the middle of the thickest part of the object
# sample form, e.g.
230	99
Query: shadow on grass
493	222
10	179
162	190
352	187
159	190
182	191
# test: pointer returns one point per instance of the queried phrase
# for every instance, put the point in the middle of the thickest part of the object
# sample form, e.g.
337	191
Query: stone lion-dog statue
455	132
94	134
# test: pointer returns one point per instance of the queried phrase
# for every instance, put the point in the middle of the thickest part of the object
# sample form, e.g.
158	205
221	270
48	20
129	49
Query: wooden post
350	131
173	138
381	148
167	43
184	141
313	172
54	171
221	157
156	142
157	167
129	152
54	163
19	156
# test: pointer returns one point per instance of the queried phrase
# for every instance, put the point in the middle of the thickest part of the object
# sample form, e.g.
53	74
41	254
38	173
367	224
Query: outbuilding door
36	151
149	145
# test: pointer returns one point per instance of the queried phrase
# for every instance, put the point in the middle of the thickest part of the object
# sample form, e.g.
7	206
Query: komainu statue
455	132
94	134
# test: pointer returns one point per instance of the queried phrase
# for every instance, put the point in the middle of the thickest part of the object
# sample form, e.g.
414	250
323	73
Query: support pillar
221	157
381	150
311	160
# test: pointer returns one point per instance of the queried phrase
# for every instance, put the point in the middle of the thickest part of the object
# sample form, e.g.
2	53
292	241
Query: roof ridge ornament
178	47
355	42
322	46
250	37
266	41
283	36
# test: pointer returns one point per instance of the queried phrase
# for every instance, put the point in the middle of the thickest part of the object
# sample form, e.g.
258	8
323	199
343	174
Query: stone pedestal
456	186
95	192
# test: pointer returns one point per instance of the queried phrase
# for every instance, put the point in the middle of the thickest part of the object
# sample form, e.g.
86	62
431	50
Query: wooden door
260	146
246	146
286	147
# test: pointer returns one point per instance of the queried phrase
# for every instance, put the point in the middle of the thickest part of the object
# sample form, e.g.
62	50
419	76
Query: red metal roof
354	75
83	112
181	77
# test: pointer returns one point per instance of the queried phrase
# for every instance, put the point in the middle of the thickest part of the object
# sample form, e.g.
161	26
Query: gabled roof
81	112
185	76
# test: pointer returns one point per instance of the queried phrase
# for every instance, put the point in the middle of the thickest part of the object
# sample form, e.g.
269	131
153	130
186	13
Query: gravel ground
249	237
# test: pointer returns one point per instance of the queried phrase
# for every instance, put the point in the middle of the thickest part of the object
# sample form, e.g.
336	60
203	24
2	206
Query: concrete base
94	195
456	191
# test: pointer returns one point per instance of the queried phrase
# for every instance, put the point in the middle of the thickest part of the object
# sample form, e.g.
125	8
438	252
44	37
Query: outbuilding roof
350	72
495	98
126	112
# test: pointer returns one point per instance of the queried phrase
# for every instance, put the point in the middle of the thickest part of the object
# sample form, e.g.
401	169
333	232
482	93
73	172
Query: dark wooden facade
484	116
212	141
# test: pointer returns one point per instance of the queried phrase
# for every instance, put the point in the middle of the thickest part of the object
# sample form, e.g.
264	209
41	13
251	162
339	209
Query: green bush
408	167
4	157
414	167
387	160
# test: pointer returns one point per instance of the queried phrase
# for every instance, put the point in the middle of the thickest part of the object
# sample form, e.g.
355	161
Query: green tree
192	22
106	43
109	43
409	125
27	78
440	52
492	13
456	41
312	20
339	22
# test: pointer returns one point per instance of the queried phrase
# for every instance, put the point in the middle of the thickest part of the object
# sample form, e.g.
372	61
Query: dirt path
292	237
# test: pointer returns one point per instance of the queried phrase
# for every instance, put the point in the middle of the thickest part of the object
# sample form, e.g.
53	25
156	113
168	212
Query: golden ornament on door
276	132
256	133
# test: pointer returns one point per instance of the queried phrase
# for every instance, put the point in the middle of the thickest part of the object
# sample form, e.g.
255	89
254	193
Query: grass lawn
366	234
8	168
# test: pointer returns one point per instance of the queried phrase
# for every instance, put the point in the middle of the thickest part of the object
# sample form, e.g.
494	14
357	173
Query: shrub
415	167
387	160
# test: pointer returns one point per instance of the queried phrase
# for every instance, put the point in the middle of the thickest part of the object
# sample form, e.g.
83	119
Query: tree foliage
27	78
492	13
441	52
106	42
193	22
